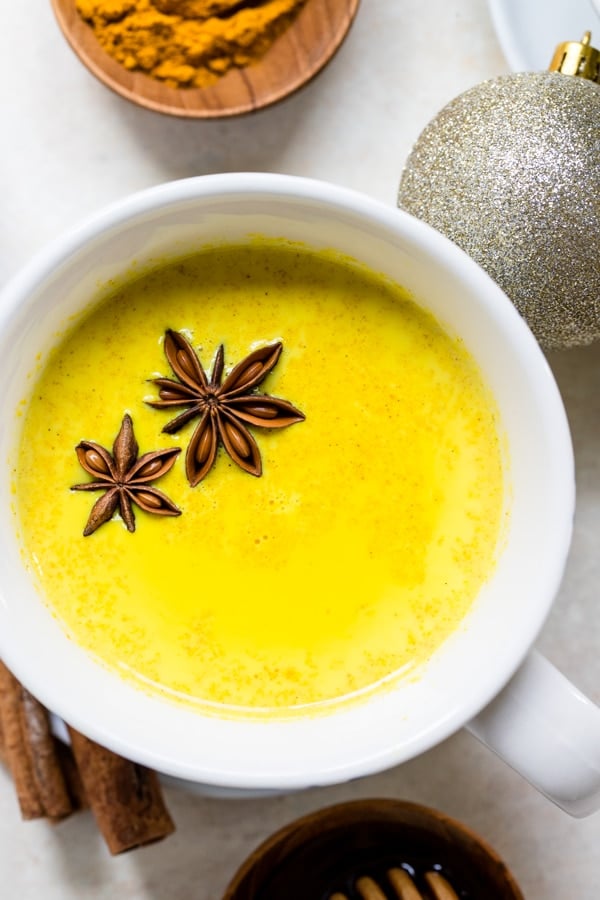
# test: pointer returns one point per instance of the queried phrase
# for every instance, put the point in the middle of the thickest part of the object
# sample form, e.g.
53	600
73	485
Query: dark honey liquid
333	862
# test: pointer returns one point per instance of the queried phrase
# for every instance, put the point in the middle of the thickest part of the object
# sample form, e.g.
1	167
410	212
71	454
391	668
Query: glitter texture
510	171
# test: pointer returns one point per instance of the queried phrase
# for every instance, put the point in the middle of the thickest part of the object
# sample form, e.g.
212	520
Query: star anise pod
125	478
225	409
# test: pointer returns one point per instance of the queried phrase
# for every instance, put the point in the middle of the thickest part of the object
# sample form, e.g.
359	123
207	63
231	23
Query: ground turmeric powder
187	43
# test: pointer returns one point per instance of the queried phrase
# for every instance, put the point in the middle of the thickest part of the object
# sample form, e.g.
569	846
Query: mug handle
549	732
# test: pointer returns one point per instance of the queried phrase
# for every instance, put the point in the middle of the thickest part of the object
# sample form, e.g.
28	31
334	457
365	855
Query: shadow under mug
483	676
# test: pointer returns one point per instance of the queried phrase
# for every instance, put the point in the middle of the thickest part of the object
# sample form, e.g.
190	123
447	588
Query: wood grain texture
294	59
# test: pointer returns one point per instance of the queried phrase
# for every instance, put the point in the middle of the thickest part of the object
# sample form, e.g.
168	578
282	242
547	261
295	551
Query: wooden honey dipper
403	888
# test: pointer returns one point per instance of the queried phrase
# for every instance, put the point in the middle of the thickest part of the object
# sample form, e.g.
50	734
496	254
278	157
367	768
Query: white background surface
527	28
68	147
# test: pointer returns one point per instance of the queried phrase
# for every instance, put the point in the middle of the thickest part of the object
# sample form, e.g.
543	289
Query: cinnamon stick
43	768
2	745
71	775
53	780
125	797
40	745
17	757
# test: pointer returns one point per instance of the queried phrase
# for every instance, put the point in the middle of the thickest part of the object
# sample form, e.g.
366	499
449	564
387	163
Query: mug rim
13	307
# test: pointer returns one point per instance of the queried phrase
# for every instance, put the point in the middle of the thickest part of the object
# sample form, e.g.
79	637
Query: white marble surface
68	147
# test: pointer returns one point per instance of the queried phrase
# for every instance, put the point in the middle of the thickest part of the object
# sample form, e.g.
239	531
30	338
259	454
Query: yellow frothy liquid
353	557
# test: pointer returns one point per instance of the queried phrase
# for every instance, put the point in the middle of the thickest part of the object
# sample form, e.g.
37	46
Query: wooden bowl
324	854
295	57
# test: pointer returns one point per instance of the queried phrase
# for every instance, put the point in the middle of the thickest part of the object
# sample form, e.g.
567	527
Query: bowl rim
417	235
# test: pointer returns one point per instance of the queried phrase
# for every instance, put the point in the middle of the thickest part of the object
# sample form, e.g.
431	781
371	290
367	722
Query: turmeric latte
342	556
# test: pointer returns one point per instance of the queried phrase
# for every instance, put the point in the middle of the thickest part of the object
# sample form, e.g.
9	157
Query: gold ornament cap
577	58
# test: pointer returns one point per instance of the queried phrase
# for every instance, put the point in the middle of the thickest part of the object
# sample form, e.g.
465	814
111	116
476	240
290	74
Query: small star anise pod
226	409
125	478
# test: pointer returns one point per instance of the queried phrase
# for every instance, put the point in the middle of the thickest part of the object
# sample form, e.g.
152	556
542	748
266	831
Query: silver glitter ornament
510	171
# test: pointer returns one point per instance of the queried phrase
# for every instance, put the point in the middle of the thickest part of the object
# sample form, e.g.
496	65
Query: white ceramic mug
482	676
